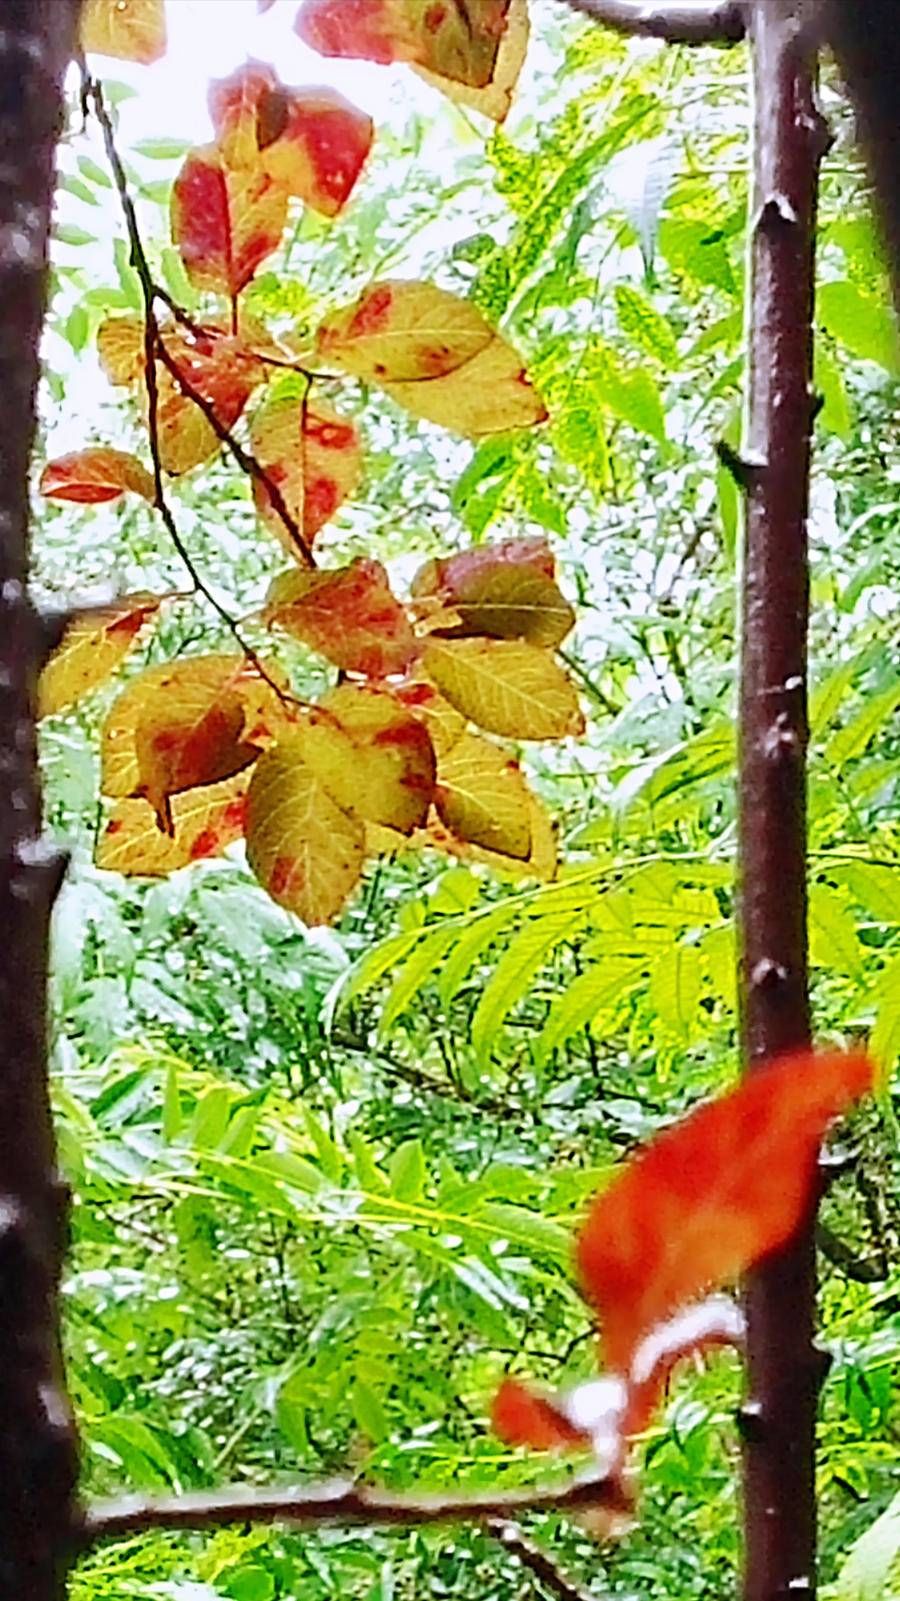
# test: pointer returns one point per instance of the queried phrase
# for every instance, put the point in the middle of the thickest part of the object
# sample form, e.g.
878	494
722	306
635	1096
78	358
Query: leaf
495	99
884	1041
402	331
182	740
647	327
225	221
120	348
505	687
698	1206
829	383
204	822
490	394
94	644
444	723
482	797
541	862
306	851
372	756
93	476
452	38
863	325
311	142
507	591
348	614
311	454
513	977
407	1171
130	30
865	1574
187	690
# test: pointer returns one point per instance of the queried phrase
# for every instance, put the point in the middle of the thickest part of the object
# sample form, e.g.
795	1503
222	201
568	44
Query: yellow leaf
505	687
181	743
304	848
404	331
482	797
186	689
312	455
495	99
120	348
204	822
372	756
130	30
489	394
540	864
507	591
444	723
91	649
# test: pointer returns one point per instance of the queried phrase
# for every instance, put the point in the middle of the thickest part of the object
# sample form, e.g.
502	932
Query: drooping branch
339	1501
784	1368
38	1459
674	21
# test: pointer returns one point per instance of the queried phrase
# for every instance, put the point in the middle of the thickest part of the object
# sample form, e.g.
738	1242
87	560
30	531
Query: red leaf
350	615
710	1197
90	477
225	220
458	41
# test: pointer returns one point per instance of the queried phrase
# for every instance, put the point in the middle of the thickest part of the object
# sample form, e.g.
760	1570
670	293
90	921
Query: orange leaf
312	142
404	331
507	591
90	477
182	742
372	756
315	469
225	220
204	821
349	615
131	30
92	647
710	1197
450	37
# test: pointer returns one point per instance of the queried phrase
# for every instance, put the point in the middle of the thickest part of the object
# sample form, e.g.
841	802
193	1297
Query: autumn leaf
399	330
444	723
204	822
93	476
225	220
507	591
373	757
120	349
348	615
506	687
540	864
698	1206
483	798
186	692
450	37
489	394
92	647
311	141
182	741
306	851
130	30
495	99
311	454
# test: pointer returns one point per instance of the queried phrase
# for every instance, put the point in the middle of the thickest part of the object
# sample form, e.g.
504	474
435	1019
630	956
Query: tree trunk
784	1368
37	1448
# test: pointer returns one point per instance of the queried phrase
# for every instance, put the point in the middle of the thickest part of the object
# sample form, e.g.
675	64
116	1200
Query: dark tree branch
674	21
339	1501
38	1457
784	1369
537	1561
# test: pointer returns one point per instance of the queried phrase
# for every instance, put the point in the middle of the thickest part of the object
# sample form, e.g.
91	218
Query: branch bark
674	21
37	1444
784	1369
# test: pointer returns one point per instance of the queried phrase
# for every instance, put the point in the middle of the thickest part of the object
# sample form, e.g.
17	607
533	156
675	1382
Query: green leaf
369	1412
592	992
645	326
884	1040
161	149
828	381
866	1573
833	940
407	1171
676	984
248	1584
77	328
851	740
172	1115
414	974
513	977
863	325
68	234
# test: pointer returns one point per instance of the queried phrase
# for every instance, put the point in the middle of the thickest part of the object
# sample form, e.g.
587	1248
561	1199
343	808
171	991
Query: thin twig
337	1501
537	1561
720	22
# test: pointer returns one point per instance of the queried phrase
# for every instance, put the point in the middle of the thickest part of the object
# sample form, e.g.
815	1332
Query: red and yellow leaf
506	687
482	797
311	141
495	99
182	742
373	757
225	220
444	723
490	394
507	591
204	822
92	647
398	331
540	864
710	1197
348	615
306	851
120	348
450	37
311	454
130	30
186	692
93	476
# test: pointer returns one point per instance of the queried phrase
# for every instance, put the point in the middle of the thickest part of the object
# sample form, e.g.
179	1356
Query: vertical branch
784	1369
37	1450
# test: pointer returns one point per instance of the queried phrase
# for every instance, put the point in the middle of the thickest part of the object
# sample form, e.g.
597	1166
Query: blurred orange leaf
495	98
130	30
90	477
450	37
348	614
